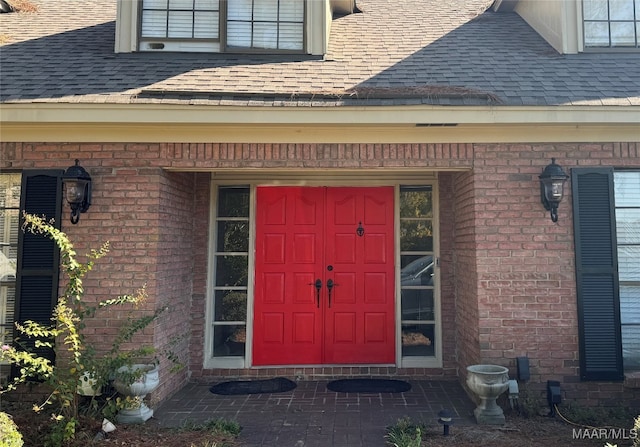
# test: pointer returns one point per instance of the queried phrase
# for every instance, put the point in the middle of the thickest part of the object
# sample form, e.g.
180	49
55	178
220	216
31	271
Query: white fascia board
177	114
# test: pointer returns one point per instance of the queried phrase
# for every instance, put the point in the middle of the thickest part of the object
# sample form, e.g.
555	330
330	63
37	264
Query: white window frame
625	282
634	21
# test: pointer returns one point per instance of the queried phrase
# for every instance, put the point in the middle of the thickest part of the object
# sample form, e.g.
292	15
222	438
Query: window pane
418	272
629	304
233	202
418	340
596	34
154	4
627	188
416	235
631	347
180	24
292	10
154	24
239	10
623	34
229	340
233	236
629	263
416	202
205	25
265	35
230	305
210	5
231	271
290	36
239	34
628	226
621	9
181	4
595	10
417	304
265	10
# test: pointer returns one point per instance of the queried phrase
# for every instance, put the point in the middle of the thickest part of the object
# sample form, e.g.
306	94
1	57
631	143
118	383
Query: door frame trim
318	177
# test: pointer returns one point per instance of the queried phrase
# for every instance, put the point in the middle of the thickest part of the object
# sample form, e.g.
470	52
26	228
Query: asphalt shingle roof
394	52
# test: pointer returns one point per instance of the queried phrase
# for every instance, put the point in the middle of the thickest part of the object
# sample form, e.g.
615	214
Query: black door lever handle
318	286
330	285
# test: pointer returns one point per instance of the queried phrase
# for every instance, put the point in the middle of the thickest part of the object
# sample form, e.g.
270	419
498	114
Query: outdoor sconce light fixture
77	188
552	187
446	419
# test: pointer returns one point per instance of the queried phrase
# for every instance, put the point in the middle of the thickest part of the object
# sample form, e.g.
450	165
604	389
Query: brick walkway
312	416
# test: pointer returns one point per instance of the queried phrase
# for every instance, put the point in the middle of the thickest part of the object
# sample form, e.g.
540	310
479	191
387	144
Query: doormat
277	385
368	386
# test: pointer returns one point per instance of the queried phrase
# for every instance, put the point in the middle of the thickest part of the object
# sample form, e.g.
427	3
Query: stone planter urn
488	382
135	411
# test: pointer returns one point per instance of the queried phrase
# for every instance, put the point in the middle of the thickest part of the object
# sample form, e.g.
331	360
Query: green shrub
9	434
405	433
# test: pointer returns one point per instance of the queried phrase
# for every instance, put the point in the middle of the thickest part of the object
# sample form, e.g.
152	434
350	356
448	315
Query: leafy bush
74	355
9	434
405	433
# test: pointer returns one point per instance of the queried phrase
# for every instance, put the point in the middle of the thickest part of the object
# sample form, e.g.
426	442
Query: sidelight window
417	274
231	260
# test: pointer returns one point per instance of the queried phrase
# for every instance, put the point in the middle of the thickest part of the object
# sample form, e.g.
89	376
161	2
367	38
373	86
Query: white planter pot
87	385
148	382
487	382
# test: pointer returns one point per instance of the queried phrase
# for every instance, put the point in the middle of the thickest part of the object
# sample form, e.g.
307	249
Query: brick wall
508	286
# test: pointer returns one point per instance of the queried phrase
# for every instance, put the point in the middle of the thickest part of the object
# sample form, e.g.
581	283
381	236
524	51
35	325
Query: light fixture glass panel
596	34
205	25
291	36
154	24
265	35
622	34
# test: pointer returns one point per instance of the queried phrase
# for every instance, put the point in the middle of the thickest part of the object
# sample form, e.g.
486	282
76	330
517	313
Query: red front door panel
308	234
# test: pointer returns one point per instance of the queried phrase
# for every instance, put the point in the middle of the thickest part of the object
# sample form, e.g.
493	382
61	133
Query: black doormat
277	385
369	386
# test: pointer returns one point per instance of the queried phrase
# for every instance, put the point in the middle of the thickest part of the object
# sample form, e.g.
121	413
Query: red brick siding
508	284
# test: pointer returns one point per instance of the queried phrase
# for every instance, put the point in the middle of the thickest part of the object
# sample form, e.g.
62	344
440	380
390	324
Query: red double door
324	284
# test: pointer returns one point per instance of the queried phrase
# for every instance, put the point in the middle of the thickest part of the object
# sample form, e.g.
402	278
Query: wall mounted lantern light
77	188
552	187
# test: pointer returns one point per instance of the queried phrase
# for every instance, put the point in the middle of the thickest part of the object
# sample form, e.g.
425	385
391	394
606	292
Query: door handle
330	285
318	286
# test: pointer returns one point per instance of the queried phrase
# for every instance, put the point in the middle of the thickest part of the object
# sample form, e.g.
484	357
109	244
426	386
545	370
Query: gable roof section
451	55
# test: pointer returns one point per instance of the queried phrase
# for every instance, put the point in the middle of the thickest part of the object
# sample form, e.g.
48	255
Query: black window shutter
38	256
597	274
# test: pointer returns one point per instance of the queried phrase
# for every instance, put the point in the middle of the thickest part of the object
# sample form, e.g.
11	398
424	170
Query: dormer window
611	23
222	26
